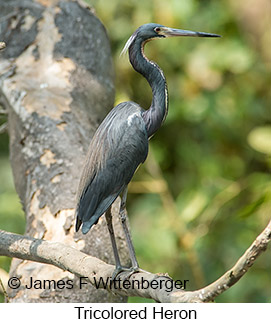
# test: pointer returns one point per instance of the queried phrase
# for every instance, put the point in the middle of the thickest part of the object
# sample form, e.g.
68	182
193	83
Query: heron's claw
117	271
128	272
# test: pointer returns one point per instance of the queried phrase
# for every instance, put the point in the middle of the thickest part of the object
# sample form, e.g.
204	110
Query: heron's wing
118	147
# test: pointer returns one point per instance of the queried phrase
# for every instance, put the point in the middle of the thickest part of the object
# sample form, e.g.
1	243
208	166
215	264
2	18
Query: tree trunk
57	85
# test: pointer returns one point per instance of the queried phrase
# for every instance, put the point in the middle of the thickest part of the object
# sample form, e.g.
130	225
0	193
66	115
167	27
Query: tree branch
82	265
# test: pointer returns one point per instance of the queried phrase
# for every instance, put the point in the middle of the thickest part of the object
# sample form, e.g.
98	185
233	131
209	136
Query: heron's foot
117	271
128	272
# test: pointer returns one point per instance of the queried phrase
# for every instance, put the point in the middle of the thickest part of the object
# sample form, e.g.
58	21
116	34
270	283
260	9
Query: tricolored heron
120	144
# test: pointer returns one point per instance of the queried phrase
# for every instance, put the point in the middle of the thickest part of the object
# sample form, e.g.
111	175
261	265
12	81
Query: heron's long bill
171	32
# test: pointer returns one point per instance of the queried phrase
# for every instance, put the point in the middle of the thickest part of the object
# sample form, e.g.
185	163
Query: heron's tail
77	224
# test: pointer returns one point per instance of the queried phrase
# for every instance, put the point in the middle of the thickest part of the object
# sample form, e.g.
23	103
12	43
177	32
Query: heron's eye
157	29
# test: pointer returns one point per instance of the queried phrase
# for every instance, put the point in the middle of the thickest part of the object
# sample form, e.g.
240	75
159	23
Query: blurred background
204	193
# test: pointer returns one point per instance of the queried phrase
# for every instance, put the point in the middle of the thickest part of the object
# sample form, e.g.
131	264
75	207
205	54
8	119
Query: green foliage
204	193
213	151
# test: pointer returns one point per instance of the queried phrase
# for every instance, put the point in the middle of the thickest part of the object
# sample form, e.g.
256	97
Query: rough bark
139	284
57	85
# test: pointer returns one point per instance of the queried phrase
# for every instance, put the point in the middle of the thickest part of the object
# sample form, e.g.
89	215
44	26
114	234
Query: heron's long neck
157	112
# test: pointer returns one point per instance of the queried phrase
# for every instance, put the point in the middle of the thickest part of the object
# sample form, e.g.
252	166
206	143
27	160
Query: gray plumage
118	147
120	144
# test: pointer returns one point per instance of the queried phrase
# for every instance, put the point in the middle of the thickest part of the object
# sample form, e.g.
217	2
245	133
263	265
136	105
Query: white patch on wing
131	117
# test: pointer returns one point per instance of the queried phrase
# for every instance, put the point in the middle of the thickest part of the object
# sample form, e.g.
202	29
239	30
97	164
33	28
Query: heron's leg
119	268
123	217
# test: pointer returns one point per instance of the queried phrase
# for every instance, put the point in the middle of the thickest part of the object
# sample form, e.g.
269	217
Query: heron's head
151	31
